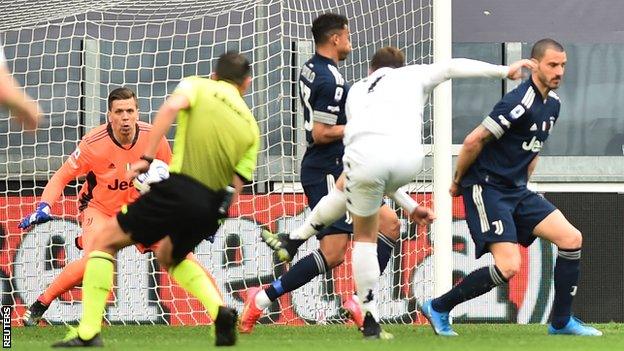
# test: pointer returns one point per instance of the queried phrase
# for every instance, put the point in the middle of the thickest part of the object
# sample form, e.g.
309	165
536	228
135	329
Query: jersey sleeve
188	88
326	105
76	165
504	115
247	163
81	160
439	72
164	151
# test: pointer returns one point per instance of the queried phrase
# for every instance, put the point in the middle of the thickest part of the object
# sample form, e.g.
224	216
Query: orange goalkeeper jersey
103	162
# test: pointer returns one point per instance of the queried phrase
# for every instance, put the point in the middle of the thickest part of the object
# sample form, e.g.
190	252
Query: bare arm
473	144
238	183
326	133
19	103
532	165
165	117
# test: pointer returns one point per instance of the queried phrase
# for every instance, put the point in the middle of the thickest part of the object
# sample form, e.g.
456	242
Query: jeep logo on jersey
120	185
534	145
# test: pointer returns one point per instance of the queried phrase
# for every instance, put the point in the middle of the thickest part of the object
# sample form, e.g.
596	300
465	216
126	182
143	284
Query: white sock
366	274
262	300
331	207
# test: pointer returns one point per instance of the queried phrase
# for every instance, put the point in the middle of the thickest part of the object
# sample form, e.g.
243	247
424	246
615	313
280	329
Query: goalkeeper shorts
179	207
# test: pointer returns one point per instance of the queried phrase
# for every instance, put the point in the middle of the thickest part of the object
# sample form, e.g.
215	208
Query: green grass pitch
478	337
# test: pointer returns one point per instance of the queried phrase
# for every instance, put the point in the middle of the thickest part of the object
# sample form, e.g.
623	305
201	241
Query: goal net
69	55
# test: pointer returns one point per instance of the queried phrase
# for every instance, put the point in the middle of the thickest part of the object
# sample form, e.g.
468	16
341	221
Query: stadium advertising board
143	293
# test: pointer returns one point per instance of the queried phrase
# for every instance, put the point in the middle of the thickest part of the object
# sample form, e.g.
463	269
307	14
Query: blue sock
298	275
475	284
566	279
385	246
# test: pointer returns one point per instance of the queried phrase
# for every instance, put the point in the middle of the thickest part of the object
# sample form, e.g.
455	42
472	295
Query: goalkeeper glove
41	215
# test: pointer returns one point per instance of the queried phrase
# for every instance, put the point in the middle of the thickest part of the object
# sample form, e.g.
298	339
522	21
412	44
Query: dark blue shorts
314	193
503	215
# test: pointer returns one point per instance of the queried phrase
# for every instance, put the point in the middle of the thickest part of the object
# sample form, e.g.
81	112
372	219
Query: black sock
566	280
474	284
298	275
385	246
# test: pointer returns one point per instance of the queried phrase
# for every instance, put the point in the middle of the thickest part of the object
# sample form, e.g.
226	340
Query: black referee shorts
179	207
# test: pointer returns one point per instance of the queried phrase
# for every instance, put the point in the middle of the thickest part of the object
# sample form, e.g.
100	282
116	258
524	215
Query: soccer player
215	145
19	104
398	94
493	168
102	156
323	92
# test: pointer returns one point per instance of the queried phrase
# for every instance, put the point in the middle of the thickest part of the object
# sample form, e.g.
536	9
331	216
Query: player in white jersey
19	104
383	151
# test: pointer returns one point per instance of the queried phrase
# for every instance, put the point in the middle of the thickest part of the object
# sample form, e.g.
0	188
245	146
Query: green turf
478	337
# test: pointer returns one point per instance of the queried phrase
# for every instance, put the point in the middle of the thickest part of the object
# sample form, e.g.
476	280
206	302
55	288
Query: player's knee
334	257
573	240
509	267
391	228
334	260
109	237
509	271
102	238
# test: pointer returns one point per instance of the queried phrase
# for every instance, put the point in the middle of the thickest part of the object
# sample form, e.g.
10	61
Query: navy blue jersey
323	92
521	123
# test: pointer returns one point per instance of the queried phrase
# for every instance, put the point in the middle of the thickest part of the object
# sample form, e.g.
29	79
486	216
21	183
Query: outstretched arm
467	68
59	180
71	169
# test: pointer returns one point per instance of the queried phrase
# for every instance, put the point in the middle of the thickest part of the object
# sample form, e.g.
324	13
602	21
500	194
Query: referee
215	145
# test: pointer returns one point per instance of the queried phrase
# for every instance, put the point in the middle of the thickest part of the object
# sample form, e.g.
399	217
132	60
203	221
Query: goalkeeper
215	144
102	156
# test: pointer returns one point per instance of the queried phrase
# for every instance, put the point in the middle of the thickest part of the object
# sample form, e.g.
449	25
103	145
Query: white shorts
370	172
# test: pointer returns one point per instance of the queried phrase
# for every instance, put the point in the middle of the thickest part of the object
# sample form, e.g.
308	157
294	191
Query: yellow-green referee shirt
217	135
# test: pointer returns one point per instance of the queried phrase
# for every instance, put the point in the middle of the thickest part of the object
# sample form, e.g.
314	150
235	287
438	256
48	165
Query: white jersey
390	102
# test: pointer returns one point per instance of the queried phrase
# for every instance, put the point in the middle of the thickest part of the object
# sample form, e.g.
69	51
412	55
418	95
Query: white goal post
442	151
